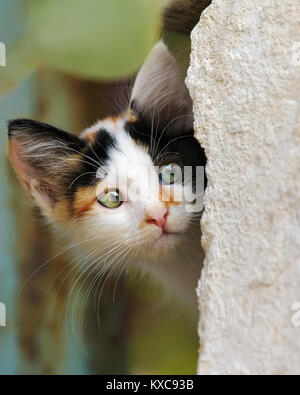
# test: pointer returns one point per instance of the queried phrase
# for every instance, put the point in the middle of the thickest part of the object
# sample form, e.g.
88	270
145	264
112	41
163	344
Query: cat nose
159	218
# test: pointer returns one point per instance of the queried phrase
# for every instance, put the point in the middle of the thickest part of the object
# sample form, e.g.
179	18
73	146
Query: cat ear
159	90
44	158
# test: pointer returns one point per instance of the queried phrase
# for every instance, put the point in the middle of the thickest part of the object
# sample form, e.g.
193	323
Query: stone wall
244	79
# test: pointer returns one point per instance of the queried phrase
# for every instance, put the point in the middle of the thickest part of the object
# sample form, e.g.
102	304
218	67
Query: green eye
170	174
110	198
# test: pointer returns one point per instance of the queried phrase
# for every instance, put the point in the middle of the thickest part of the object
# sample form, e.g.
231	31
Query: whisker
167	126
51	259
175	139
81	175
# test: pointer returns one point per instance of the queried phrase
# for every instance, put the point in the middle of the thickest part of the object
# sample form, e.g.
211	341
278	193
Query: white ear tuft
159	88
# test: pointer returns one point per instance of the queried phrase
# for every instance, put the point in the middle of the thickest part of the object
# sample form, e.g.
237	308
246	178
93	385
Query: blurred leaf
95	38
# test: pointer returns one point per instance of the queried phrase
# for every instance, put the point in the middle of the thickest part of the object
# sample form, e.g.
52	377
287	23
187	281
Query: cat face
126	183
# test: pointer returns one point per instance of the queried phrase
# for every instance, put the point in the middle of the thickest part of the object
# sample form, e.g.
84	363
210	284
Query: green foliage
95	38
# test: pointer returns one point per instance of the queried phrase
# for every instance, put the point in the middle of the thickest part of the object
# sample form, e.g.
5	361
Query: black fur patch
43	132
167	143
95	155
59	146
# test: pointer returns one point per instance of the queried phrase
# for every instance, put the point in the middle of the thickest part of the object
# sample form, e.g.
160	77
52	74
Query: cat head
116	186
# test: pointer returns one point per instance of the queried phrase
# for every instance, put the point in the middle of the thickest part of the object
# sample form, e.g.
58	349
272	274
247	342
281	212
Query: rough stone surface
244	79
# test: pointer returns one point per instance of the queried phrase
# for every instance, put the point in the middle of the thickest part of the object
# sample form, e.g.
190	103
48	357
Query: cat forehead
123	153
128	141
128	158
113	125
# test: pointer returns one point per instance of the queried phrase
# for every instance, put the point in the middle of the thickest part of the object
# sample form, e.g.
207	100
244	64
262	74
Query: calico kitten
81	183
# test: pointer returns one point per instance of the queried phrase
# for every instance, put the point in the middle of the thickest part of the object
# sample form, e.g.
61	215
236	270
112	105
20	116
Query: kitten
82	184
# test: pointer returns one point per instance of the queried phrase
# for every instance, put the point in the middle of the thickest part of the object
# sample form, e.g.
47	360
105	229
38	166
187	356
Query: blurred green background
68	63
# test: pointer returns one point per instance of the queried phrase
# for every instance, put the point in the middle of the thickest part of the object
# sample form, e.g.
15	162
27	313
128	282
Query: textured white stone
244	79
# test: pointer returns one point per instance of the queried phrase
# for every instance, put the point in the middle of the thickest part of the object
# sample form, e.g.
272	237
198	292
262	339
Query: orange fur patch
116	118
62	212
91	135
132	117
168	200
84	199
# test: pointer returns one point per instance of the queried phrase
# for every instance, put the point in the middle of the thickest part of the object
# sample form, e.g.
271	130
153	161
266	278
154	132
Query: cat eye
110	198
170	174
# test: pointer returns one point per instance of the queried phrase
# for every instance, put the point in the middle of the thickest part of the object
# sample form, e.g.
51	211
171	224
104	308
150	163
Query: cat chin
164	243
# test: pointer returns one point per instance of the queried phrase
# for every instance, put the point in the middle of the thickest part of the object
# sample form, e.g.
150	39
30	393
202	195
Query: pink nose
159	219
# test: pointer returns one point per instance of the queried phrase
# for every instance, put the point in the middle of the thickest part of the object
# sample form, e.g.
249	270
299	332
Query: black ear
159	91
44	158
